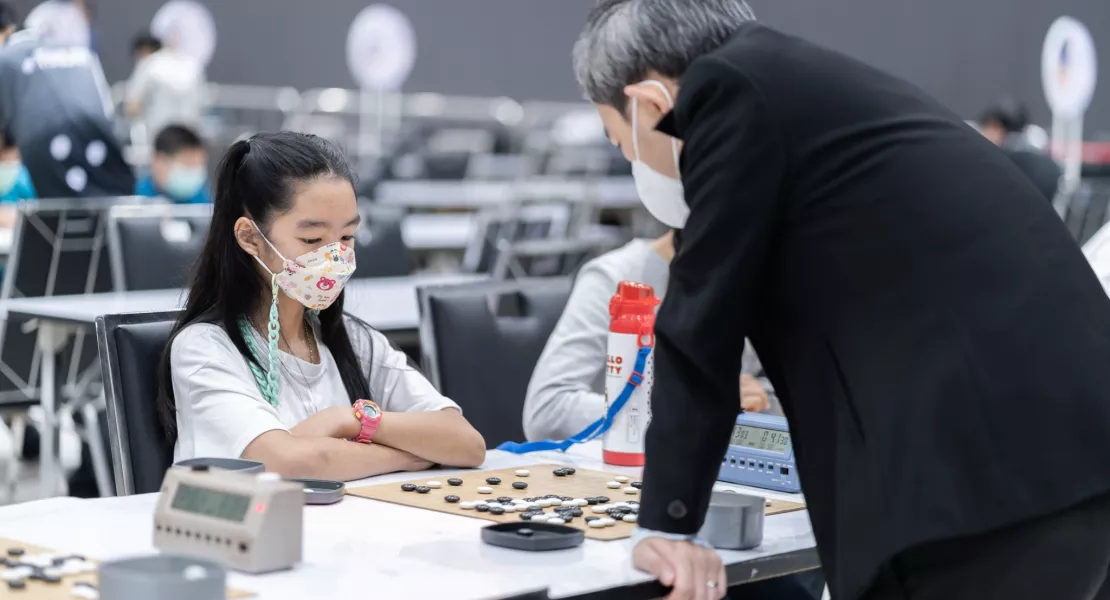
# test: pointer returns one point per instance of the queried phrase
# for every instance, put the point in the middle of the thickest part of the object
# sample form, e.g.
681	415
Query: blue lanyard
598	427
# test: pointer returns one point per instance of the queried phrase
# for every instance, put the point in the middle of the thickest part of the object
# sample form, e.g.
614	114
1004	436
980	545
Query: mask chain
267	381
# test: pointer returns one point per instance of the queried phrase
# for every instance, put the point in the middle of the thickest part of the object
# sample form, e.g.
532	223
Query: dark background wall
965	52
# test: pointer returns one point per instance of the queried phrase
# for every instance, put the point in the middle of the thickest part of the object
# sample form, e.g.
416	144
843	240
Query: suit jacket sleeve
732	165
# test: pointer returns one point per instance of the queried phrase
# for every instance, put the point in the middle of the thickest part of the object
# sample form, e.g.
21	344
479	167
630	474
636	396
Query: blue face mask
9	174
185	182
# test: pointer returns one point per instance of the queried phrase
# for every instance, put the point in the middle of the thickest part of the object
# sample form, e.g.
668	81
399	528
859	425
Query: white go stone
570	503
534	506
523	472
597	524
631	490
485	490
613	485
581	502
435	485
556	521
600	508
607	521
629	518
622	478
467	505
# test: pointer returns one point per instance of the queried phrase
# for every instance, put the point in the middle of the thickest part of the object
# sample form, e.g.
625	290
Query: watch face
371	410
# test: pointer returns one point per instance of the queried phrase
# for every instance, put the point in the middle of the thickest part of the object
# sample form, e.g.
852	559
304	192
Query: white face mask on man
663	196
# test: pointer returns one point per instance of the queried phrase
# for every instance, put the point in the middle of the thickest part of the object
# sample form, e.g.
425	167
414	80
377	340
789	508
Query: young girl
264	364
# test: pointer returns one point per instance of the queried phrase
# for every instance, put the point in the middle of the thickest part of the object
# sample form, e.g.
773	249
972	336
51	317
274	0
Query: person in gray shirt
567	389
55	106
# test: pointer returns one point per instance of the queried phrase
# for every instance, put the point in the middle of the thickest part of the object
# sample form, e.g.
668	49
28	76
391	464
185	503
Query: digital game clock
760	454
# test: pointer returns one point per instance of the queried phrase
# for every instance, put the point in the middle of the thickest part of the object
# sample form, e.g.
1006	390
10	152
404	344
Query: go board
542	481
39	590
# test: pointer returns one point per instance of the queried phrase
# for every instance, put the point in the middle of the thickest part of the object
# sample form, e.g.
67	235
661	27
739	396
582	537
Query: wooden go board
38	590
541	481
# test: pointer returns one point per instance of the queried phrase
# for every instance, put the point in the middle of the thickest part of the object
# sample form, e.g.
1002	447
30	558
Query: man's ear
247	237
651	100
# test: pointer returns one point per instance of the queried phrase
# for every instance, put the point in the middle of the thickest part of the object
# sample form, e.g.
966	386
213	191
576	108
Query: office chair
131	347
510	322
155	247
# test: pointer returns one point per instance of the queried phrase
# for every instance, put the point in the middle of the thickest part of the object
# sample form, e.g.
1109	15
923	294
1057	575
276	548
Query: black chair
131	347
155	247
380	249
509	323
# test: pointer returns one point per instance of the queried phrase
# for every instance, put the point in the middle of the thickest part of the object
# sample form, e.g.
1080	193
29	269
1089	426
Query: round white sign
61	23
1069	68
381	48
187	27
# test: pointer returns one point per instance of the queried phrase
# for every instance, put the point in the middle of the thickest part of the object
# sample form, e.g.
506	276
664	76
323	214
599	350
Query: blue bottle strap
598	427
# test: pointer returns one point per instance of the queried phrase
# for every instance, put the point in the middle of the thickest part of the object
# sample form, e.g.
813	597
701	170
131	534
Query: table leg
91	413
51	340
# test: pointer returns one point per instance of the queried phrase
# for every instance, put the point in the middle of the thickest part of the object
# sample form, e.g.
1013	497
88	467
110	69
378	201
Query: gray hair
625	39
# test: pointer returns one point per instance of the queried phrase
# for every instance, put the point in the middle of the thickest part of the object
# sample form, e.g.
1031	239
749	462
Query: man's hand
753	398
692	572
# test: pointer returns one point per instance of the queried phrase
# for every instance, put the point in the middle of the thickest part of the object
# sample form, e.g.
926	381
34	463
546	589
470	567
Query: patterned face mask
314	279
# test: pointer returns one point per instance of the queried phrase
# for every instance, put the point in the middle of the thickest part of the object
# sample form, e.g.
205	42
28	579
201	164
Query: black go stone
592	501
569	470
505	500
59	561
15	551
51	579
423	489
559	472
17	584
483	508
637	484
590	519
451	499
408	487
632	503
497	510
524	516
455	481
602	499
520	485
493	480
576	512
525	532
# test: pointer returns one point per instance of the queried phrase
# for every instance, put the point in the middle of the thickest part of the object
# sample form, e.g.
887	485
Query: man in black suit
939	343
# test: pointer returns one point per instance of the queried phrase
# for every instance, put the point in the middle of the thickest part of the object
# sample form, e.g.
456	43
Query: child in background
15	183
179	170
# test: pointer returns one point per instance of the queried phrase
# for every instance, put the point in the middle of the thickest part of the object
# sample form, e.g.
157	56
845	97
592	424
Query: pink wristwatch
370	415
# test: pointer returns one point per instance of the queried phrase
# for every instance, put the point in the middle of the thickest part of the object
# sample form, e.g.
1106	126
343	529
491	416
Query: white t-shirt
170	88
220	409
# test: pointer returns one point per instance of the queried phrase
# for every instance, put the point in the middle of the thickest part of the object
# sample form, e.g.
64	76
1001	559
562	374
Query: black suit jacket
939	342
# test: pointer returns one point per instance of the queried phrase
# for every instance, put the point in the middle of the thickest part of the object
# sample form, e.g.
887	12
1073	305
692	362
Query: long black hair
256	179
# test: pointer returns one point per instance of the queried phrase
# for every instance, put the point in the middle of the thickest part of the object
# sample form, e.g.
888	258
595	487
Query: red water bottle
631	328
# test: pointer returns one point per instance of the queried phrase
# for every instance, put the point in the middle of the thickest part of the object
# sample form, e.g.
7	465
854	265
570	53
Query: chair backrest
513	223
510	322
58	247
548	258
131	347
380	249
155	247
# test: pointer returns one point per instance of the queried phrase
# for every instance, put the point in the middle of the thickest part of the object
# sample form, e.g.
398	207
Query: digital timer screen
221	505
760	439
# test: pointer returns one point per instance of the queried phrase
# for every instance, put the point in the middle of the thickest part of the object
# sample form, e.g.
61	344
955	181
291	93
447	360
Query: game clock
760	454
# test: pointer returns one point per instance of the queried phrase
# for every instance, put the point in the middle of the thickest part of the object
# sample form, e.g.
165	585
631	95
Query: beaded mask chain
267	380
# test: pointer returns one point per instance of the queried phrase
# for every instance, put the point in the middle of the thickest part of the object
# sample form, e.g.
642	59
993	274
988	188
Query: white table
388	304
445	232
367	548
609	192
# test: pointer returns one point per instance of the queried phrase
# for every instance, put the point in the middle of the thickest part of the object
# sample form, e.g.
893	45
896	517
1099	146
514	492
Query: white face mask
315	279
663	196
